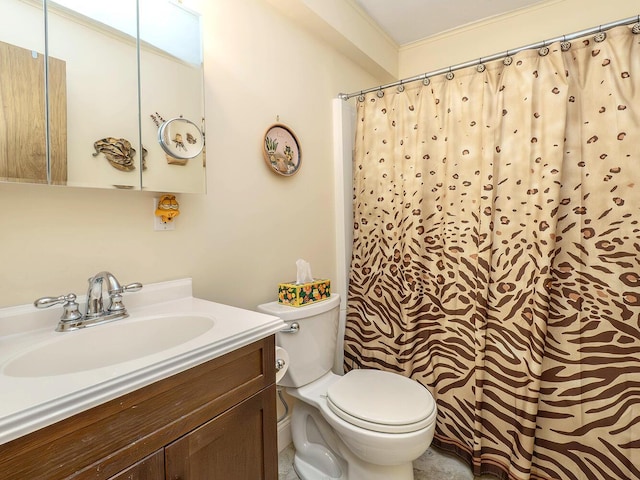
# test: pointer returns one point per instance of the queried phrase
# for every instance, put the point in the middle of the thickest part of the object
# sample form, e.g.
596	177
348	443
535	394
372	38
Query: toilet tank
313	347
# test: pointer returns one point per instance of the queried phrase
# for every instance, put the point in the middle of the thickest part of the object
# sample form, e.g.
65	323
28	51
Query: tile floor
432	465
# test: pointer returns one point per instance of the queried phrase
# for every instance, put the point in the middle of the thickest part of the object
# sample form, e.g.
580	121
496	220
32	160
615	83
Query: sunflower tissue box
299	294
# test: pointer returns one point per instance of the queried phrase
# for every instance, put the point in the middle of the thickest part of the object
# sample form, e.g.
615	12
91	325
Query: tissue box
299	294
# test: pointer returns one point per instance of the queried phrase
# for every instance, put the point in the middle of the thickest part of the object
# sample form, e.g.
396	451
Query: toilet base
306	471
316	446
322	455
382	472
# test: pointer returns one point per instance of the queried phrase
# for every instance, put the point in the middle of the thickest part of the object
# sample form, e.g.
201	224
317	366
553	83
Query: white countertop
30	403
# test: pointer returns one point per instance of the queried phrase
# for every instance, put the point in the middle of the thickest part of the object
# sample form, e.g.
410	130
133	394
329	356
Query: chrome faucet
95	312
95	308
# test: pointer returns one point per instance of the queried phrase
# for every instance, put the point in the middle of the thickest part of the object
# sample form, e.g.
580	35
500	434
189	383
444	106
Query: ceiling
407	21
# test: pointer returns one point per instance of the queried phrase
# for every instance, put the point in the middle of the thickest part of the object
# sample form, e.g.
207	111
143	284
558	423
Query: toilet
365	425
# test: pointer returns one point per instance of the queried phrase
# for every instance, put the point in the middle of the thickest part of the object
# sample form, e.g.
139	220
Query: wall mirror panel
117	70
103	146
172	88
23	147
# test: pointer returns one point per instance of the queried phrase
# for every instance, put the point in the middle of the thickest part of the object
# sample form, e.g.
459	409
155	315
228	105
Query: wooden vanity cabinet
150	468
213	421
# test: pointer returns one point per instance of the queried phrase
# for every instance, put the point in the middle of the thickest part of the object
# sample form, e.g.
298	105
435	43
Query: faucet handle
70	307
132	287
116	296
45	302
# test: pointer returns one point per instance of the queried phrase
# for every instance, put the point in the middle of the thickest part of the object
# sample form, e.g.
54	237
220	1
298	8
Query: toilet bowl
375	445
365	425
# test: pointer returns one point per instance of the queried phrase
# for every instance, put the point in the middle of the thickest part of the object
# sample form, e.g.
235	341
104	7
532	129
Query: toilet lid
381	401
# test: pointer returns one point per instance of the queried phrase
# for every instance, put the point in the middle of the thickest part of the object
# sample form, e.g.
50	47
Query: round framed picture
281	150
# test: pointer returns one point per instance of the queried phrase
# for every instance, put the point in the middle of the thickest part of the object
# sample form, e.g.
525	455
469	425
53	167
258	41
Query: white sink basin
46	376
107	344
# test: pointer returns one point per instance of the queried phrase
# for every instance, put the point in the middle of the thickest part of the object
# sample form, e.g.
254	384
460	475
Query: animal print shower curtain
496	256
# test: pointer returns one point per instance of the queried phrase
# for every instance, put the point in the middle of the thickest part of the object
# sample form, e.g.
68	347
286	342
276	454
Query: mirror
180	138
108	88
23	145
172	85
101	90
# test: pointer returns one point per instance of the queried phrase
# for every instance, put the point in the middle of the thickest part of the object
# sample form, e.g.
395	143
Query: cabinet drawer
107	439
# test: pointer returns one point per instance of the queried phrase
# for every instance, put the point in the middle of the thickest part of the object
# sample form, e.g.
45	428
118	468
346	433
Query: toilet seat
381	401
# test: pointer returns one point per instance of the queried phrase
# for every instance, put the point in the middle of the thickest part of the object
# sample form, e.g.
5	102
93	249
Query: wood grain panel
58	120
150	468
22	116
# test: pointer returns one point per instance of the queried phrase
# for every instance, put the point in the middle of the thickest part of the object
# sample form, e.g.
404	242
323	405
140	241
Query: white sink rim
106	345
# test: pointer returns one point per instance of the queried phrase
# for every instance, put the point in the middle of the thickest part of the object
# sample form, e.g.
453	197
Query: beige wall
547	20
244	236
344	25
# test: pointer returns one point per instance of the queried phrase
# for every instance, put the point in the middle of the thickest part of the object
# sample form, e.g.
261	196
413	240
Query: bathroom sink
106	345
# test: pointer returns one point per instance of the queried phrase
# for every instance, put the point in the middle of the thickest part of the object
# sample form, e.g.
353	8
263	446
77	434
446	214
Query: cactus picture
282	150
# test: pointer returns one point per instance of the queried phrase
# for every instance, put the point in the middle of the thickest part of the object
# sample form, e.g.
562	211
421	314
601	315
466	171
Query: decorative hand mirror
181	138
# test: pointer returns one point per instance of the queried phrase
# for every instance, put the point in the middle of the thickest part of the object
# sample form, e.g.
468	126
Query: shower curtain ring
400	87
481	67
380	93
508	60
450	74
544	50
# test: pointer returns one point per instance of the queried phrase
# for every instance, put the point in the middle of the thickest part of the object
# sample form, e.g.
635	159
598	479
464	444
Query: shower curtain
496	256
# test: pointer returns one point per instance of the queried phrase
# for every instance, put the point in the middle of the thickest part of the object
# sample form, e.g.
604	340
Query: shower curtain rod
497	56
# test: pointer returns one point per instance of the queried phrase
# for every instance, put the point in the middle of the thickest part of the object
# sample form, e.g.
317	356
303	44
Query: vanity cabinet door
236	445
149	468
